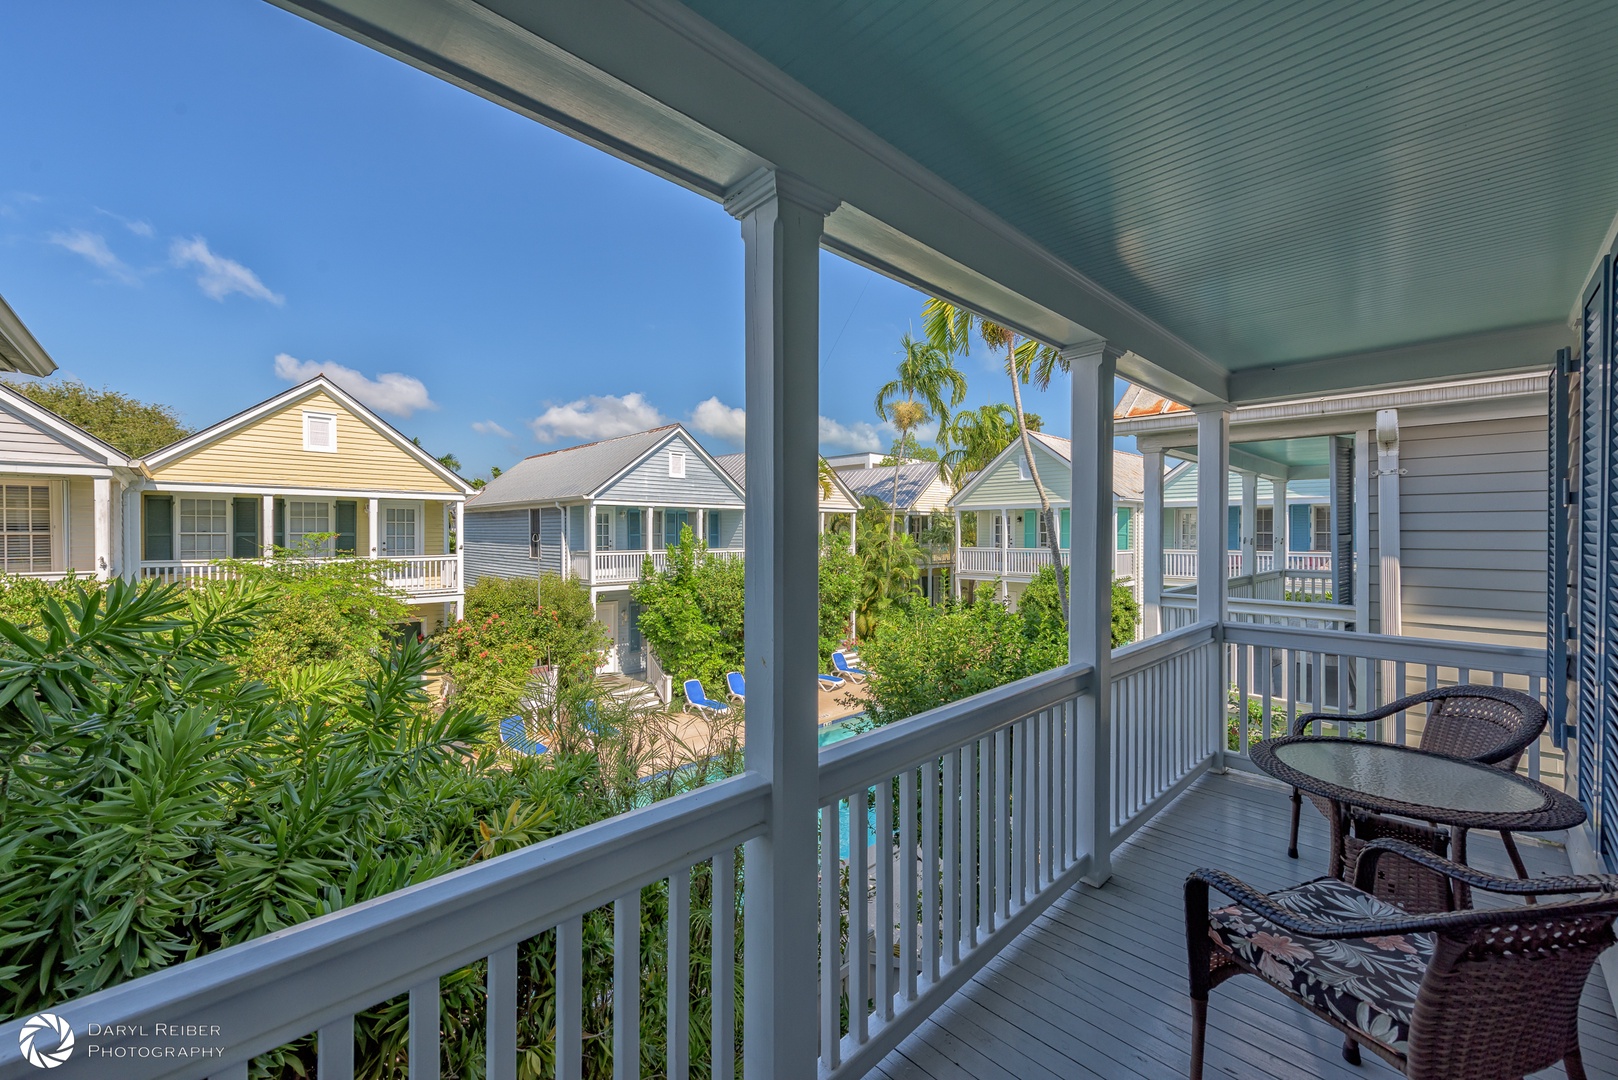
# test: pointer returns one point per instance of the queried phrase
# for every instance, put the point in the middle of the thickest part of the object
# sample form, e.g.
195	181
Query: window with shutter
27	543
204	529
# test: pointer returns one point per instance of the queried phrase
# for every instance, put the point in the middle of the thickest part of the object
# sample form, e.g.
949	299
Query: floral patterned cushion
1370	983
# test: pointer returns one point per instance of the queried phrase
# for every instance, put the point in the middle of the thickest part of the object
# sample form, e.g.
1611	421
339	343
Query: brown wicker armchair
1480	994
1482	723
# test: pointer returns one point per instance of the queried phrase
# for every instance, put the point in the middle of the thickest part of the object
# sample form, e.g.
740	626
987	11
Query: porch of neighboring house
186	535
615	551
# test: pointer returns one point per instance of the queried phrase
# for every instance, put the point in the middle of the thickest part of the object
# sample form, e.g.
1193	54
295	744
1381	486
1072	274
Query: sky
202	203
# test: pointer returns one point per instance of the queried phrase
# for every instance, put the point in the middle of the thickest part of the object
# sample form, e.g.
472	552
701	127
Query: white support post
103	528
955	561
1389	557
460	557
1005	552
1213	499
646	527
1248	532
1090	594
590	512
373	513
268	537
1278	527
782	222
1150	544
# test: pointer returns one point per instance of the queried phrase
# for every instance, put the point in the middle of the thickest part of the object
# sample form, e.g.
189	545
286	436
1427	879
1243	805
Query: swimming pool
836	732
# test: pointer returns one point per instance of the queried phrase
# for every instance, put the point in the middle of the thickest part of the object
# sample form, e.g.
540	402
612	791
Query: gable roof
1128	472
18	349
1139	401
579	472
66	431
735	466
232	424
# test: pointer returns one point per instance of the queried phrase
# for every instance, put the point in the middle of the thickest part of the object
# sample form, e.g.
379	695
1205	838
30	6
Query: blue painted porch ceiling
1272	181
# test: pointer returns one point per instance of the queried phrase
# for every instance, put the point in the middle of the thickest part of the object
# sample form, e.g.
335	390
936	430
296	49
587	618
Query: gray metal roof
877	483
573	473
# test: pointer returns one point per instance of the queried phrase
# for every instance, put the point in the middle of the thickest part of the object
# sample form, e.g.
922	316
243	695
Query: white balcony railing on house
415	575
1181	564
955	830
624	567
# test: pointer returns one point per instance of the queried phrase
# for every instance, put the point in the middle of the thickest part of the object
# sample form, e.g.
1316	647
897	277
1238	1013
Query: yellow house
312	471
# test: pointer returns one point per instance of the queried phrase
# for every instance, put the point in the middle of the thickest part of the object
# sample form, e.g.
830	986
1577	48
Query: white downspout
1387	532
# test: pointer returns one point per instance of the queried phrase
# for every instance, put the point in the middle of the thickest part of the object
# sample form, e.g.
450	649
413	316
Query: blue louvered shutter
1594	791
1558	539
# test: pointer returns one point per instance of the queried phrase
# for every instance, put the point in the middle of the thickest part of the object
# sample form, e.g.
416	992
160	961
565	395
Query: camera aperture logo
46	1040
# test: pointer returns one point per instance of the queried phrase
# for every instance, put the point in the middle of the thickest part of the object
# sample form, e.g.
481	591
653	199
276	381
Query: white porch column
372	512
1005	552
1247	533
1278	528
1089	639
1389	557
1150	544
460	557
1213	498
590	512
268	536
955	561
782	221
103	527
646	527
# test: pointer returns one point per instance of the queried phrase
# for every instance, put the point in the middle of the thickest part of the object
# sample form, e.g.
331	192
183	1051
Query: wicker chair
1482	723
1480	994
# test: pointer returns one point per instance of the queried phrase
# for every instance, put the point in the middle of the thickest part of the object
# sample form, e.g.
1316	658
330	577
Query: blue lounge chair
737	685
830	682
840	662
698	698
514	734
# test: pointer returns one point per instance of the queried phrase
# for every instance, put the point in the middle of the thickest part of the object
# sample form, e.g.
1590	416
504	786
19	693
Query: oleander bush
157	804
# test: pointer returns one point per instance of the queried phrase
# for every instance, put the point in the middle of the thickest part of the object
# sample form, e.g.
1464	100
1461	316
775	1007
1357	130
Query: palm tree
976	437
927	384
950	328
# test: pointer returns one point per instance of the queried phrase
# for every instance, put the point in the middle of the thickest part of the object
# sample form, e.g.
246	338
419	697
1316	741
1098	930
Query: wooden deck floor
1097	986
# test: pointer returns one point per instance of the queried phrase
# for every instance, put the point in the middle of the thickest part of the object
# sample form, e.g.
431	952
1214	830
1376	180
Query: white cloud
93	247
603	417
489	427
858	437
714	417
220	276
391	392
141	228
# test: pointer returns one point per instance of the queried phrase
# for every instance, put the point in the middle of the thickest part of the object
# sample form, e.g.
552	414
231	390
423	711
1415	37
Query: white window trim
1023	471
383	506
329	547
331	420
180	532
677	464
604	521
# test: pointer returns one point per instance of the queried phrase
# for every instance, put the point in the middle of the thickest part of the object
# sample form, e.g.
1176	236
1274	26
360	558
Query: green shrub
691	613
511	626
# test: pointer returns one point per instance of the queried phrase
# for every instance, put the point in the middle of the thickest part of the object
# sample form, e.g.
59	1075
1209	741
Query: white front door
607	615
400	525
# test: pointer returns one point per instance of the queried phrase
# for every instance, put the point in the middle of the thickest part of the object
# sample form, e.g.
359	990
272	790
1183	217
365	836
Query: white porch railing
1279	673
1181	564
624	567
415	575
955	829
1179	610
942	838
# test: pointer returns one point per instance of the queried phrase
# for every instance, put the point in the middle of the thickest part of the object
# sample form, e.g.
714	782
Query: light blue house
1307	528
597	512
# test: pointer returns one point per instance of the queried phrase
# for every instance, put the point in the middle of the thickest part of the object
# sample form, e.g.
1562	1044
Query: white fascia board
25	468
678	430
1514	350
205	488
653	83
1337	414
63	431
19	351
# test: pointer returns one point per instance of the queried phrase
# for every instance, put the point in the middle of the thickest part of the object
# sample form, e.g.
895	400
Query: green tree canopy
136	427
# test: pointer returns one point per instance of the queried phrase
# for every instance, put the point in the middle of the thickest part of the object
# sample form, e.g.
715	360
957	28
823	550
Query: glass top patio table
1416	784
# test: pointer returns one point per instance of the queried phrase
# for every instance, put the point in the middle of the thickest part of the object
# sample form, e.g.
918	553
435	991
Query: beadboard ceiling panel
1271	181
